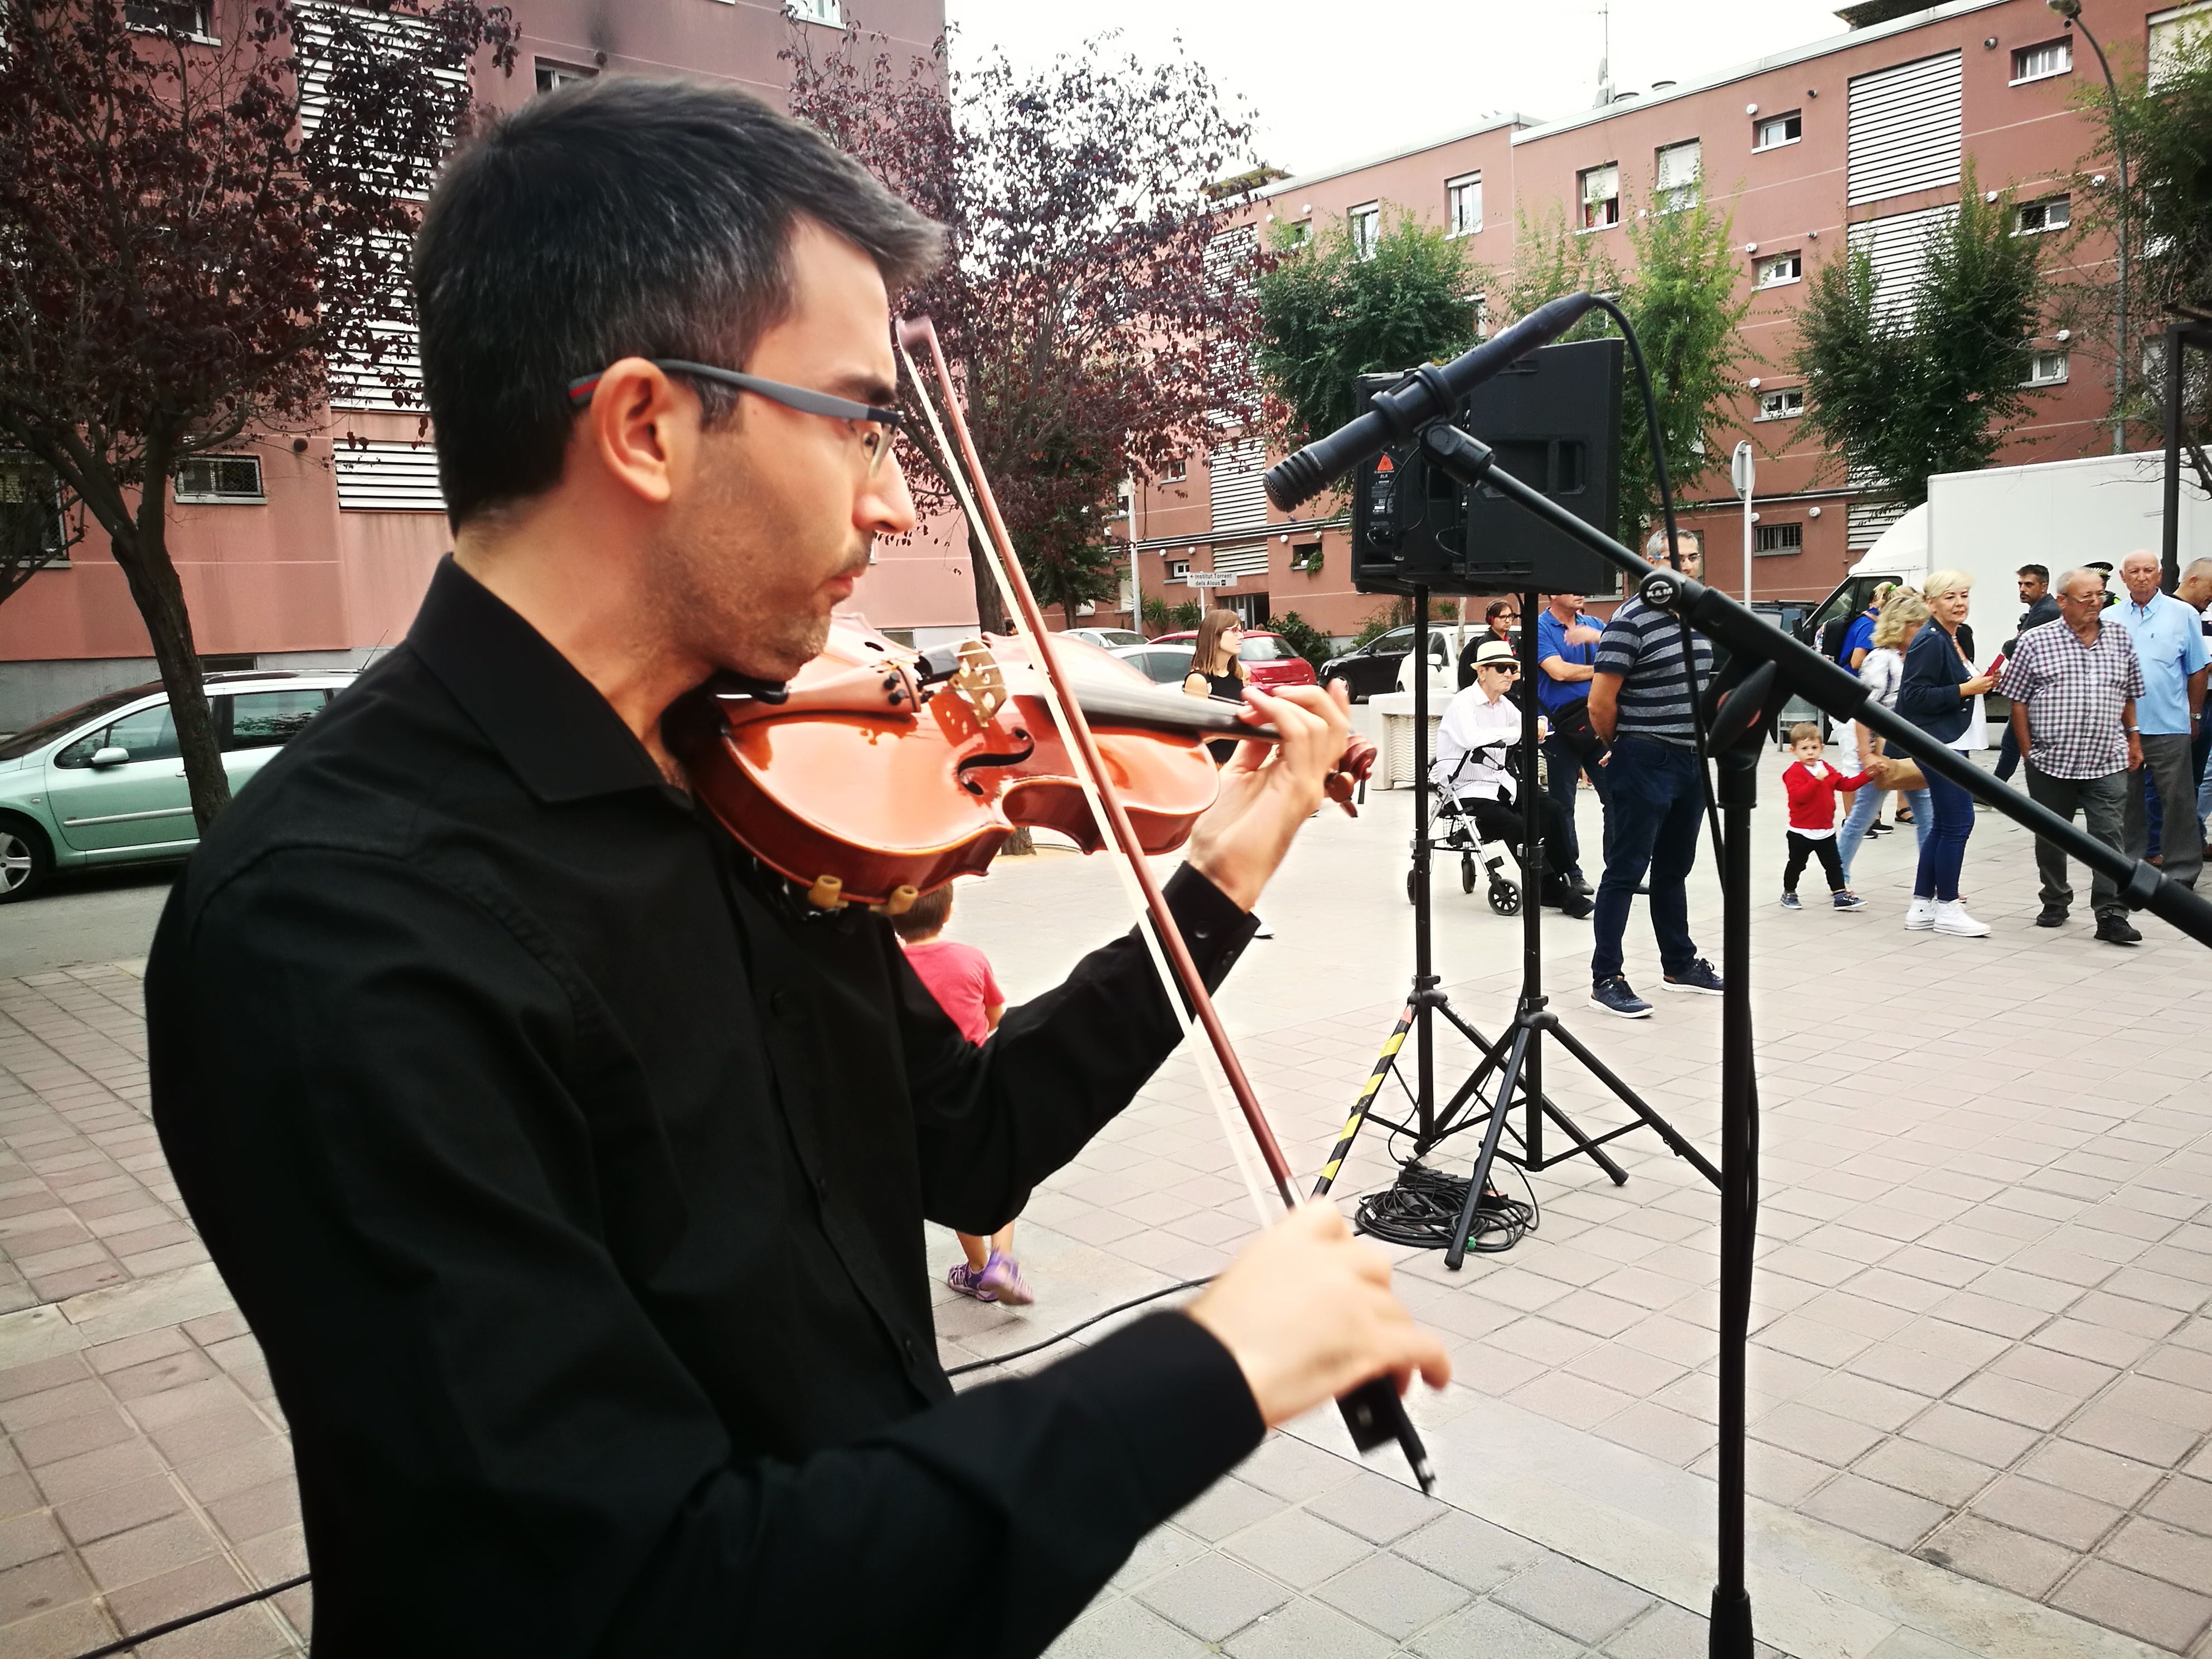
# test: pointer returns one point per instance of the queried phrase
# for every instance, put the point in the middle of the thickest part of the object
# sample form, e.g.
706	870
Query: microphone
1427	394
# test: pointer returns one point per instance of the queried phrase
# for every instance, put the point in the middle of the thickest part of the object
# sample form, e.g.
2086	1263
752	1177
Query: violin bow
1373	1411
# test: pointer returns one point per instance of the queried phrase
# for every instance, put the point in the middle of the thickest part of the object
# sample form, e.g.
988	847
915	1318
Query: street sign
1741	472
1208	579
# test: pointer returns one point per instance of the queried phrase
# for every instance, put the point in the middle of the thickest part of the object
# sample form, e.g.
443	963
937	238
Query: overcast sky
1330	84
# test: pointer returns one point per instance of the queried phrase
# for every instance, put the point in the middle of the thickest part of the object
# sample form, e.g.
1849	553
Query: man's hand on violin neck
1306	1311
1266	795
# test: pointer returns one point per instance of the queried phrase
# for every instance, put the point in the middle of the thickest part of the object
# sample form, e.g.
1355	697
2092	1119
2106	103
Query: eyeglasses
873	425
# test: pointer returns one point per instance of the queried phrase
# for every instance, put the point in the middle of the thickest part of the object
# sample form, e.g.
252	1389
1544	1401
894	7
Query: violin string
1246	1158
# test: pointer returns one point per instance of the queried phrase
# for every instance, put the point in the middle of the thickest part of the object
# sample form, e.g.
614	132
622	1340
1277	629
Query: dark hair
623	217
1496	606
2035	571
925	915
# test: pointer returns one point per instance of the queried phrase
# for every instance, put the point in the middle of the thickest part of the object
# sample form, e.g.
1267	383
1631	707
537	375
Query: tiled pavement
1982	1374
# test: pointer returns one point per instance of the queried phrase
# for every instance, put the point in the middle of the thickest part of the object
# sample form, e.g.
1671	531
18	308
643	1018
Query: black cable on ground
126	1644
1083	1325
1422	1208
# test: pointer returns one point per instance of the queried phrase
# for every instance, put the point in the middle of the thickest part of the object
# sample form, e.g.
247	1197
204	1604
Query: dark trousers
2100	801
1658	801
2007	755
1500	820
1566	772
1822	847
2166	757
1945	850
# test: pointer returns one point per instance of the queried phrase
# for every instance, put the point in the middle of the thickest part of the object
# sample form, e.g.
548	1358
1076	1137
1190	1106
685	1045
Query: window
1772	131
1175	471
1463	197
1481	303
552	76
220	478
1600	190
2046	368
831	12
30	511
1679	166
148	735
1366	229
2040	63
269	719
2052	213
184	16
1306	557
1780	269
2169	29
1296	233
1781	405
1177	570
1777	538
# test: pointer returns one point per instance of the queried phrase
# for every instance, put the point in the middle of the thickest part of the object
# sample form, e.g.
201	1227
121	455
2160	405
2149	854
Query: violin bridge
979	681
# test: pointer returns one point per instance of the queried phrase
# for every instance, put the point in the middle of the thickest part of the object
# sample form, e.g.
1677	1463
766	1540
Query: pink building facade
314	551
1856	138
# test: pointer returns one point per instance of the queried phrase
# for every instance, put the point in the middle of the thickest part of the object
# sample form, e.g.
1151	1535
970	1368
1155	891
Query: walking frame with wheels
1453	828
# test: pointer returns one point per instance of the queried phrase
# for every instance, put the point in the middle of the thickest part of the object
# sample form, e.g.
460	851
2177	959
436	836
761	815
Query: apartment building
1856	140
314	551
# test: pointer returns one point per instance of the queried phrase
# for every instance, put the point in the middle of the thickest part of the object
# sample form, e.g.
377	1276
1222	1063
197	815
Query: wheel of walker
1505	898
1412	887
1467	873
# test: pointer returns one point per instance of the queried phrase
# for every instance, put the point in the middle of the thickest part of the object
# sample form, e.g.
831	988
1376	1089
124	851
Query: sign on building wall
1906	125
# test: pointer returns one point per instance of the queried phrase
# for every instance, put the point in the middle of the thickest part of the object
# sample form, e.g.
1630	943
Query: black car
1372	669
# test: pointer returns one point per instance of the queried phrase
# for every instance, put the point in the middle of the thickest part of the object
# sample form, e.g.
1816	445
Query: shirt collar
549	723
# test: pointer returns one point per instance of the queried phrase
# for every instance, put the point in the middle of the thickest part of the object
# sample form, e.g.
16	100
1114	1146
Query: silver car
104	783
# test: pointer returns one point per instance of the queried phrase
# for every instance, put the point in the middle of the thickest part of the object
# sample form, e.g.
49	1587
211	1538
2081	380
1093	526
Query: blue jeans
1944	848
1864	810
1658	803
1565	774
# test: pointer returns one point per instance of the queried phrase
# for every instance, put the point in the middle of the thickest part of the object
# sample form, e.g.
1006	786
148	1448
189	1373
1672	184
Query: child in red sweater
959	976
1814	785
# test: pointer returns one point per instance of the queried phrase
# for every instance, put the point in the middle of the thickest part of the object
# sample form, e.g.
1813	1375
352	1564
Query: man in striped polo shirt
1640	702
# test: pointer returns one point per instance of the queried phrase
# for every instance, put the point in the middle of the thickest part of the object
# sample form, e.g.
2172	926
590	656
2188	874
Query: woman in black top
1217	671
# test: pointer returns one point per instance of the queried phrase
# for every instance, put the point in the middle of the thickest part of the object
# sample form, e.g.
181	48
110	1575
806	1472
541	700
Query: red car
1267	659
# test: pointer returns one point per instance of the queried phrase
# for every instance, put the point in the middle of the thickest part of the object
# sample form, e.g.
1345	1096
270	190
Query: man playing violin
570	1167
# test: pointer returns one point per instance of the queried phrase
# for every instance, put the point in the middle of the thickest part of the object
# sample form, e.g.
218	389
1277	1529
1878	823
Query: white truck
2055	514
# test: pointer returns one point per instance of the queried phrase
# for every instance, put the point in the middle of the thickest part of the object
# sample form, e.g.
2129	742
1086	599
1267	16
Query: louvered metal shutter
1898	246
1864	521
358	382
1904	129
1240	501
1242	561
388	477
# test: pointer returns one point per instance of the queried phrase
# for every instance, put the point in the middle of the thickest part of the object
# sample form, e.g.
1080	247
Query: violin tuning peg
828	893
901	901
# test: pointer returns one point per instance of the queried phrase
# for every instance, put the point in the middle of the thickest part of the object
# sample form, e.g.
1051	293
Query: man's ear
638	430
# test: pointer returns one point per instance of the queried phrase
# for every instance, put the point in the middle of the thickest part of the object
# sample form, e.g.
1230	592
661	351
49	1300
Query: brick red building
1857	137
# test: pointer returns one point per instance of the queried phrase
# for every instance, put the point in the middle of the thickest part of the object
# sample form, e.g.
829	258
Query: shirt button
907	1343
821	1185
779	1004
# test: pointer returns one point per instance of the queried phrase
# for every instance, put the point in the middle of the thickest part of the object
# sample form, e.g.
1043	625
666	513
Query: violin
880	773
877	775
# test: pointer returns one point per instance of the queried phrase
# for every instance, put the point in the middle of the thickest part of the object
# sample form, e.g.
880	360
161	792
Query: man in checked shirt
2074	684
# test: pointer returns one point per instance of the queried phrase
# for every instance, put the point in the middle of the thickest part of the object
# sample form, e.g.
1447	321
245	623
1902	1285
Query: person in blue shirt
2169	640
1567	646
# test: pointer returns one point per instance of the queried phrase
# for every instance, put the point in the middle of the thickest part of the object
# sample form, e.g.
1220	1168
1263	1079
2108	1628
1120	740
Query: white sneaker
1919	915
1951	917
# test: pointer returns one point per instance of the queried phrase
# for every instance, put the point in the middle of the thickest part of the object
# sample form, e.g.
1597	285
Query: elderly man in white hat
1481	726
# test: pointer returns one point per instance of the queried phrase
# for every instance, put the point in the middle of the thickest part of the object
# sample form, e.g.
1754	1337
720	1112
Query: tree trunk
990	610
141	548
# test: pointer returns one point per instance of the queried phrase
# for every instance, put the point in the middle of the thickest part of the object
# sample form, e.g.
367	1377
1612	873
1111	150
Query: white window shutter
1905	123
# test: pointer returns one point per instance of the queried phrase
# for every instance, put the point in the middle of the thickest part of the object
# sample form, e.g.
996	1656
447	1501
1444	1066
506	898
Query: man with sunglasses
570	1167
1481	728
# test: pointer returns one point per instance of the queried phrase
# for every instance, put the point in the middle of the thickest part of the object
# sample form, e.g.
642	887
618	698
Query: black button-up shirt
571	1172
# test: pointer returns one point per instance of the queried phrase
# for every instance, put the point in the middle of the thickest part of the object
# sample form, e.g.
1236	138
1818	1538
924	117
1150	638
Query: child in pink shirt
959	976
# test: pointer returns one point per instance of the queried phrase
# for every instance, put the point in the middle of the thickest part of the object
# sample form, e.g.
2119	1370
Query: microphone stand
1766	666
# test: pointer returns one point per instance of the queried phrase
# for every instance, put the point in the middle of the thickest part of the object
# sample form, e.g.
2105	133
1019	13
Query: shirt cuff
1214	926
1175	1399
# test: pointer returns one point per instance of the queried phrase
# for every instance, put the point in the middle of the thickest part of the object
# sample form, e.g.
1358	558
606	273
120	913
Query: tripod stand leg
1456	1252
1634	1103
1384	1062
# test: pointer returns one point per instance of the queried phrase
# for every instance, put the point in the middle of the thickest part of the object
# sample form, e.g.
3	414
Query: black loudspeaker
1553	419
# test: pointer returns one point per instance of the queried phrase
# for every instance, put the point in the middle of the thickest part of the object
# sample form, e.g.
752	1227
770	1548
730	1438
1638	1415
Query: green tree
1902	385
1550	260
1303	637
1329	310
2165	128
1178	618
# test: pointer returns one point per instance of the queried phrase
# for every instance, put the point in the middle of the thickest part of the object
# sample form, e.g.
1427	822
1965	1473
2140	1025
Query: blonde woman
1216	670
1904	614
1937	694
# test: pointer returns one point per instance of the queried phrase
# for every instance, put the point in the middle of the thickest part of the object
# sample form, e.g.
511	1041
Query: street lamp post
2071	11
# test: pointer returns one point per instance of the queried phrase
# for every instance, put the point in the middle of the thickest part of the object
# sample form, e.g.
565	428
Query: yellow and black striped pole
1384	1062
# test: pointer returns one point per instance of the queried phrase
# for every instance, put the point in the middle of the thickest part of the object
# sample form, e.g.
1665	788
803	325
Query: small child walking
959	976
1813	785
